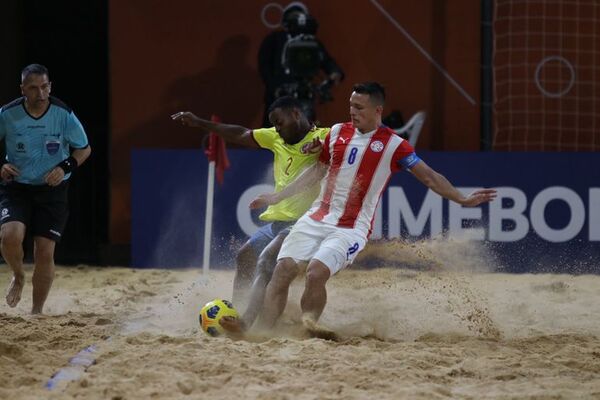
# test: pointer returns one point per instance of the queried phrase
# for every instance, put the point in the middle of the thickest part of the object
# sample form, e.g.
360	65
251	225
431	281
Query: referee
45	143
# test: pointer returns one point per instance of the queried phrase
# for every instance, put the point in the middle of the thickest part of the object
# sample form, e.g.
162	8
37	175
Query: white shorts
334	246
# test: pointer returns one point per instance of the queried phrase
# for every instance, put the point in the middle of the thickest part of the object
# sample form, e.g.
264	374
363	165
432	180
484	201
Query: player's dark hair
375	91
287	103
36	69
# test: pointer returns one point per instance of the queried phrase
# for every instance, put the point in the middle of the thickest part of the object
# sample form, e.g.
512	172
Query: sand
451	331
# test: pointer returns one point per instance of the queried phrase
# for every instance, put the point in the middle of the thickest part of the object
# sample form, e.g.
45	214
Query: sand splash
443	326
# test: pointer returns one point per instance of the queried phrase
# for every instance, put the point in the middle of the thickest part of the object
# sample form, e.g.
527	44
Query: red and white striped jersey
360	166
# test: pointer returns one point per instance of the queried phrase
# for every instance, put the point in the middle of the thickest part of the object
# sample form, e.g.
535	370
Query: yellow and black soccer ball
211	314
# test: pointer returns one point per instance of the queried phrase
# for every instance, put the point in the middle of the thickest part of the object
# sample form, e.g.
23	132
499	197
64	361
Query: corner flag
217	162
217	152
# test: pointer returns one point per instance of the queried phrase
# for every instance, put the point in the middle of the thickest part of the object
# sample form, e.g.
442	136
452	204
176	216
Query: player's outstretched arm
231	133
306	180
439	184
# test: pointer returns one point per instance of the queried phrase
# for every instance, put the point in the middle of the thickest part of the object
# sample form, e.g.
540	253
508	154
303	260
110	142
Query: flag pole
217	163
210	192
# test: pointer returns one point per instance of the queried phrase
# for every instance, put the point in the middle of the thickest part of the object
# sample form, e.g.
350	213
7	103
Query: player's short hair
36	69
287	103
375	91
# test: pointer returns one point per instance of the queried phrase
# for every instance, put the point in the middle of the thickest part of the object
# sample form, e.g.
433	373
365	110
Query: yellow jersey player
296	144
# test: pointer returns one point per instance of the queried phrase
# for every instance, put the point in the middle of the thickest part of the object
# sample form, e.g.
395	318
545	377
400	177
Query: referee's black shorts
42	208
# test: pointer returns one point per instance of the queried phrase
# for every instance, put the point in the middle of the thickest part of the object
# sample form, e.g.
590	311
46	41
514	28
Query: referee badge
52	146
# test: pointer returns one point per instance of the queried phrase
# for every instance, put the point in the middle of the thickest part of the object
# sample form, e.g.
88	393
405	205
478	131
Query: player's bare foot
233	325
36	311
318	331
15	288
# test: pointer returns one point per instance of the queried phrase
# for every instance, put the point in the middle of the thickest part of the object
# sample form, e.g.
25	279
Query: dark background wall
124	66
70	38
201	56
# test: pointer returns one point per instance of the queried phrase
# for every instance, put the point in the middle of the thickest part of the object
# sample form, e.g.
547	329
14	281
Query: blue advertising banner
546	217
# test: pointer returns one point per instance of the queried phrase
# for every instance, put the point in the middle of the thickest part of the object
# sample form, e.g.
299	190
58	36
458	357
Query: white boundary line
76	367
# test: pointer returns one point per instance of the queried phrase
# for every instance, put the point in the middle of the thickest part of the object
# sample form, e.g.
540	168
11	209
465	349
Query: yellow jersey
288	164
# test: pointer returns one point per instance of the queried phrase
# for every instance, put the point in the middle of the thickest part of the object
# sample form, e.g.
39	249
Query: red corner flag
217	152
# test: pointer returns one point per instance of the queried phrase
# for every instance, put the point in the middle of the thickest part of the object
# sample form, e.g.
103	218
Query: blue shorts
266	233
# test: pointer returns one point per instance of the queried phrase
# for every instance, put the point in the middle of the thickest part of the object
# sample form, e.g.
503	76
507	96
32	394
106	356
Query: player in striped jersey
295	143
356	163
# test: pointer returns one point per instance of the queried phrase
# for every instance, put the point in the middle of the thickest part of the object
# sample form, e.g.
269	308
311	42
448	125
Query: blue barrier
547	218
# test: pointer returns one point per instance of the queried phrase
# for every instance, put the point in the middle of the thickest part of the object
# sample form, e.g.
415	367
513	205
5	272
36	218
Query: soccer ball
212	312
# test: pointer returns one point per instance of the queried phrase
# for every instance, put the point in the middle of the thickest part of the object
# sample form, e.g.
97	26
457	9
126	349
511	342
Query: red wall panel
201	56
